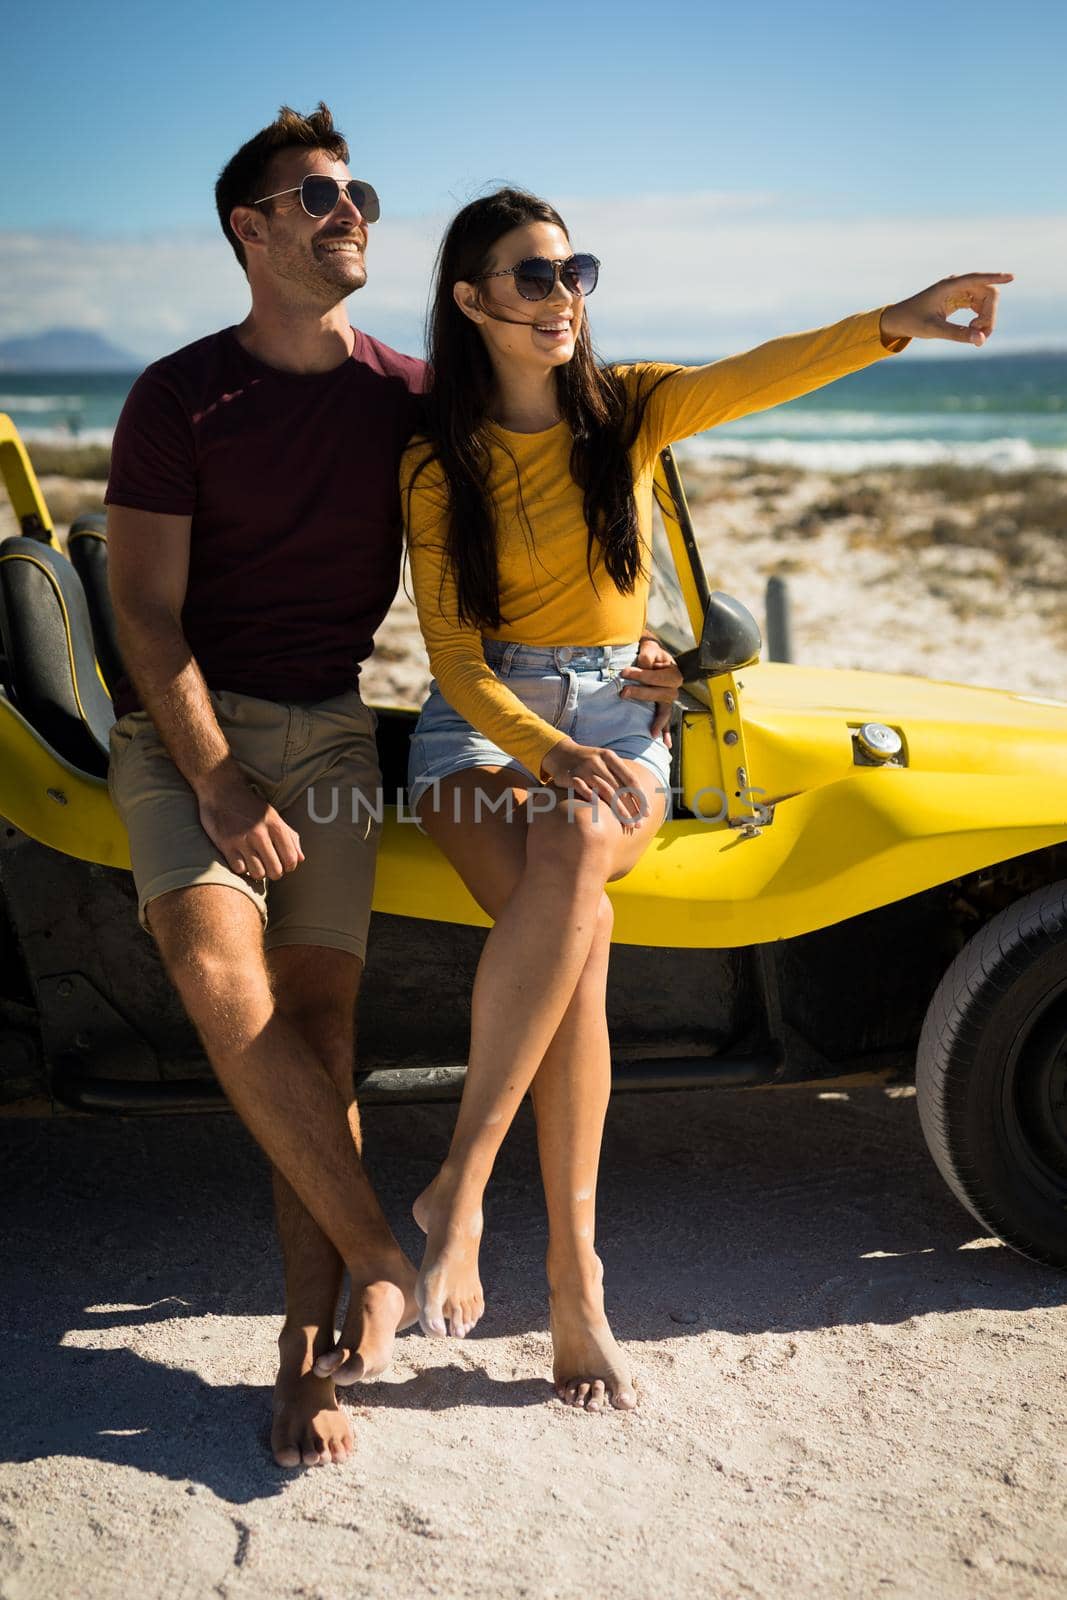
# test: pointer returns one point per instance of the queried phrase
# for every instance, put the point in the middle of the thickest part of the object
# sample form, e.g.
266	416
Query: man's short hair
246	175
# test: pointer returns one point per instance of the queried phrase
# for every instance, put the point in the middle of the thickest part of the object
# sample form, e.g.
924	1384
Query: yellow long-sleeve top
546	594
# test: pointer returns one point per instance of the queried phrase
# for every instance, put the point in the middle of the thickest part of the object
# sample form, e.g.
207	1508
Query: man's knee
328	1029
315	990
211	942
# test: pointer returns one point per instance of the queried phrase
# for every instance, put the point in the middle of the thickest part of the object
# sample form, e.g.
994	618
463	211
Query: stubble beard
346	272
328	279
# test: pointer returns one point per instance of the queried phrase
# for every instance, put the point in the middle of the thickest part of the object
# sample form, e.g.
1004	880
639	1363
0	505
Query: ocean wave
855	455
1050	431
63	436
41	402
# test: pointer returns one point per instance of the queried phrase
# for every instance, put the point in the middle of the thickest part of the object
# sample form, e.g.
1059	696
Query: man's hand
925	315
253	838
654	676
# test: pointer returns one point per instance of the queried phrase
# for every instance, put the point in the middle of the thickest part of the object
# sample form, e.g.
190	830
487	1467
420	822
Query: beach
846	1389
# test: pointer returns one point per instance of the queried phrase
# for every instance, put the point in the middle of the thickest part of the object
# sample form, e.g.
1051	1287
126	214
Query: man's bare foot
589	1369
379	1305
309	1425
449	1290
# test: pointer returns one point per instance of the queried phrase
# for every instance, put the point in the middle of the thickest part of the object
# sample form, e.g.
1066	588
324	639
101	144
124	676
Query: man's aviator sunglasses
537	276
320	193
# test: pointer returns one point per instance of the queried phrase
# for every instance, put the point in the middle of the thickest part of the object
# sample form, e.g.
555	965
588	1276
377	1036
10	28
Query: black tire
991	1076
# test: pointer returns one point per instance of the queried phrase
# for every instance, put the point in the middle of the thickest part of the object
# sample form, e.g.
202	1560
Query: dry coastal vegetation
944	571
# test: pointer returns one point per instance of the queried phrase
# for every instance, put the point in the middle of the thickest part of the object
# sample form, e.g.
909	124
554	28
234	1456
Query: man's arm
654	676
148	571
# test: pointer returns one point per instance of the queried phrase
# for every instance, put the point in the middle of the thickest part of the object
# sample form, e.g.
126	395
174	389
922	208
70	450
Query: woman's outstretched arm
691	399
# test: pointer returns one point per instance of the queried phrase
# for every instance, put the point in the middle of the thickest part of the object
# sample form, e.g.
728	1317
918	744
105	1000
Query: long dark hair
603	420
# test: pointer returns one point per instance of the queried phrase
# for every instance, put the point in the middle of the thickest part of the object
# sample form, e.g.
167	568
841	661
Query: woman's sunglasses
319	194
537	276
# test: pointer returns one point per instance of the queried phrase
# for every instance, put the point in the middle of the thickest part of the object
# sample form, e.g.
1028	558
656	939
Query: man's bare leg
316	989
211	941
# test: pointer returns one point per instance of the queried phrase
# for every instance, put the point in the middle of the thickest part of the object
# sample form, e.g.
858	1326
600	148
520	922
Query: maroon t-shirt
291	482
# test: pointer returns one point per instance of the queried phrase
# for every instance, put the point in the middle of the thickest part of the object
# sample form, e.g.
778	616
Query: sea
1007	412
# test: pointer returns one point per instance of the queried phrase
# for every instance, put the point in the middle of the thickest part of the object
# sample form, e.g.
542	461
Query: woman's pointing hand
925	315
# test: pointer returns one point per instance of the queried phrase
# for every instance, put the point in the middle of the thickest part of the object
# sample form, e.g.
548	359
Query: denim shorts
574	687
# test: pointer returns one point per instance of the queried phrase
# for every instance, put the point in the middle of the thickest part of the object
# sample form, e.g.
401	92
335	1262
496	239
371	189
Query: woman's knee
574	838
593	979
600	949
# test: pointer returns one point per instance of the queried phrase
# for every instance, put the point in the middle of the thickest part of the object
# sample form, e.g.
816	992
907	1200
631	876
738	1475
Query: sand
846	1390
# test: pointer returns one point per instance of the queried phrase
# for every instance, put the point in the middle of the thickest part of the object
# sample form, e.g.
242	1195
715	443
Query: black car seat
87	546
50	660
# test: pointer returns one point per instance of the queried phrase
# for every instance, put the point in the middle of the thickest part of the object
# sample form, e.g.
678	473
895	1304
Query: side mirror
730	638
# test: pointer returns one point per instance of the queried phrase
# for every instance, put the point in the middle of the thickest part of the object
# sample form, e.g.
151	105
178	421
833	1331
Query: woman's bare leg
570	1095
529	972
488	850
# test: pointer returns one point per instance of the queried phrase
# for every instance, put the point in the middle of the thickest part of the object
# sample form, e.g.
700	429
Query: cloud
149	294
684	276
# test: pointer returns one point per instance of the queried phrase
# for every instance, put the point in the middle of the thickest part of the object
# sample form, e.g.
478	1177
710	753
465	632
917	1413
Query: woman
539	770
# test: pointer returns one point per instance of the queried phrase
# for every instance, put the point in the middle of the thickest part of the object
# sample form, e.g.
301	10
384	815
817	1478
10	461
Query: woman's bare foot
449	1290
381	1302
309	1426
589	1369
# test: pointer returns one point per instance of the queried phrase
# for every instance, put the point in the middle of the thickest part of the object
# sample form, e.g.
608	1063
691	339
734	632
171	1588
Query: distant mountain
65	350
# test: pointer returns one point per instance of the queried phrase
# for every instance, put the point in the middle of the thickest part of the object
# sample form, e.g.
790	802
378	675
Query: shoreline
845	453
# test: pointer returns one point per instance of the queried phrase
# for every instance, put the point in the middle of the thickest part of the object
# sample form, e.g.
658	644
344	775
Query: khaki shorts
316	764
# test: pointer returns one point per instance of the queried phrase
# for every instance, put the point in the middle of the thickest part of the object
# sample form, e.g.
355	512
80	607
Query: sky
740	171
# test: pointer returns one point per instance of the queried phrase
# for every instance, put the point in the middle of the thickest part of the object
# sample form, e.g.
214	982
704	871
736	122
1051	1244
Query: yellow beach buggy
865	879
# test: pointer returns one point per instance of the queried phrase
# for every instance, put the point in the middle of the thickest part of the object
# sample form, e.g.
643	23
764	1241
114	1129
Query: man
254	547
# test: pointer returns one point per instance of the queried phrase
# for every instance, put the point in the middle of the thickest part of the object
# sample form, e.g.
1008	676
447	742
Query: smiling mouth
342	247
563	326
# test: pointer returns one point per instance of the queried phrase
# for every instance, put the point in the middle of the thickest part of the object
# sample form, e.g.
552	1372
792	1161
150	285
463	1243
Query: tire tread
981	979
